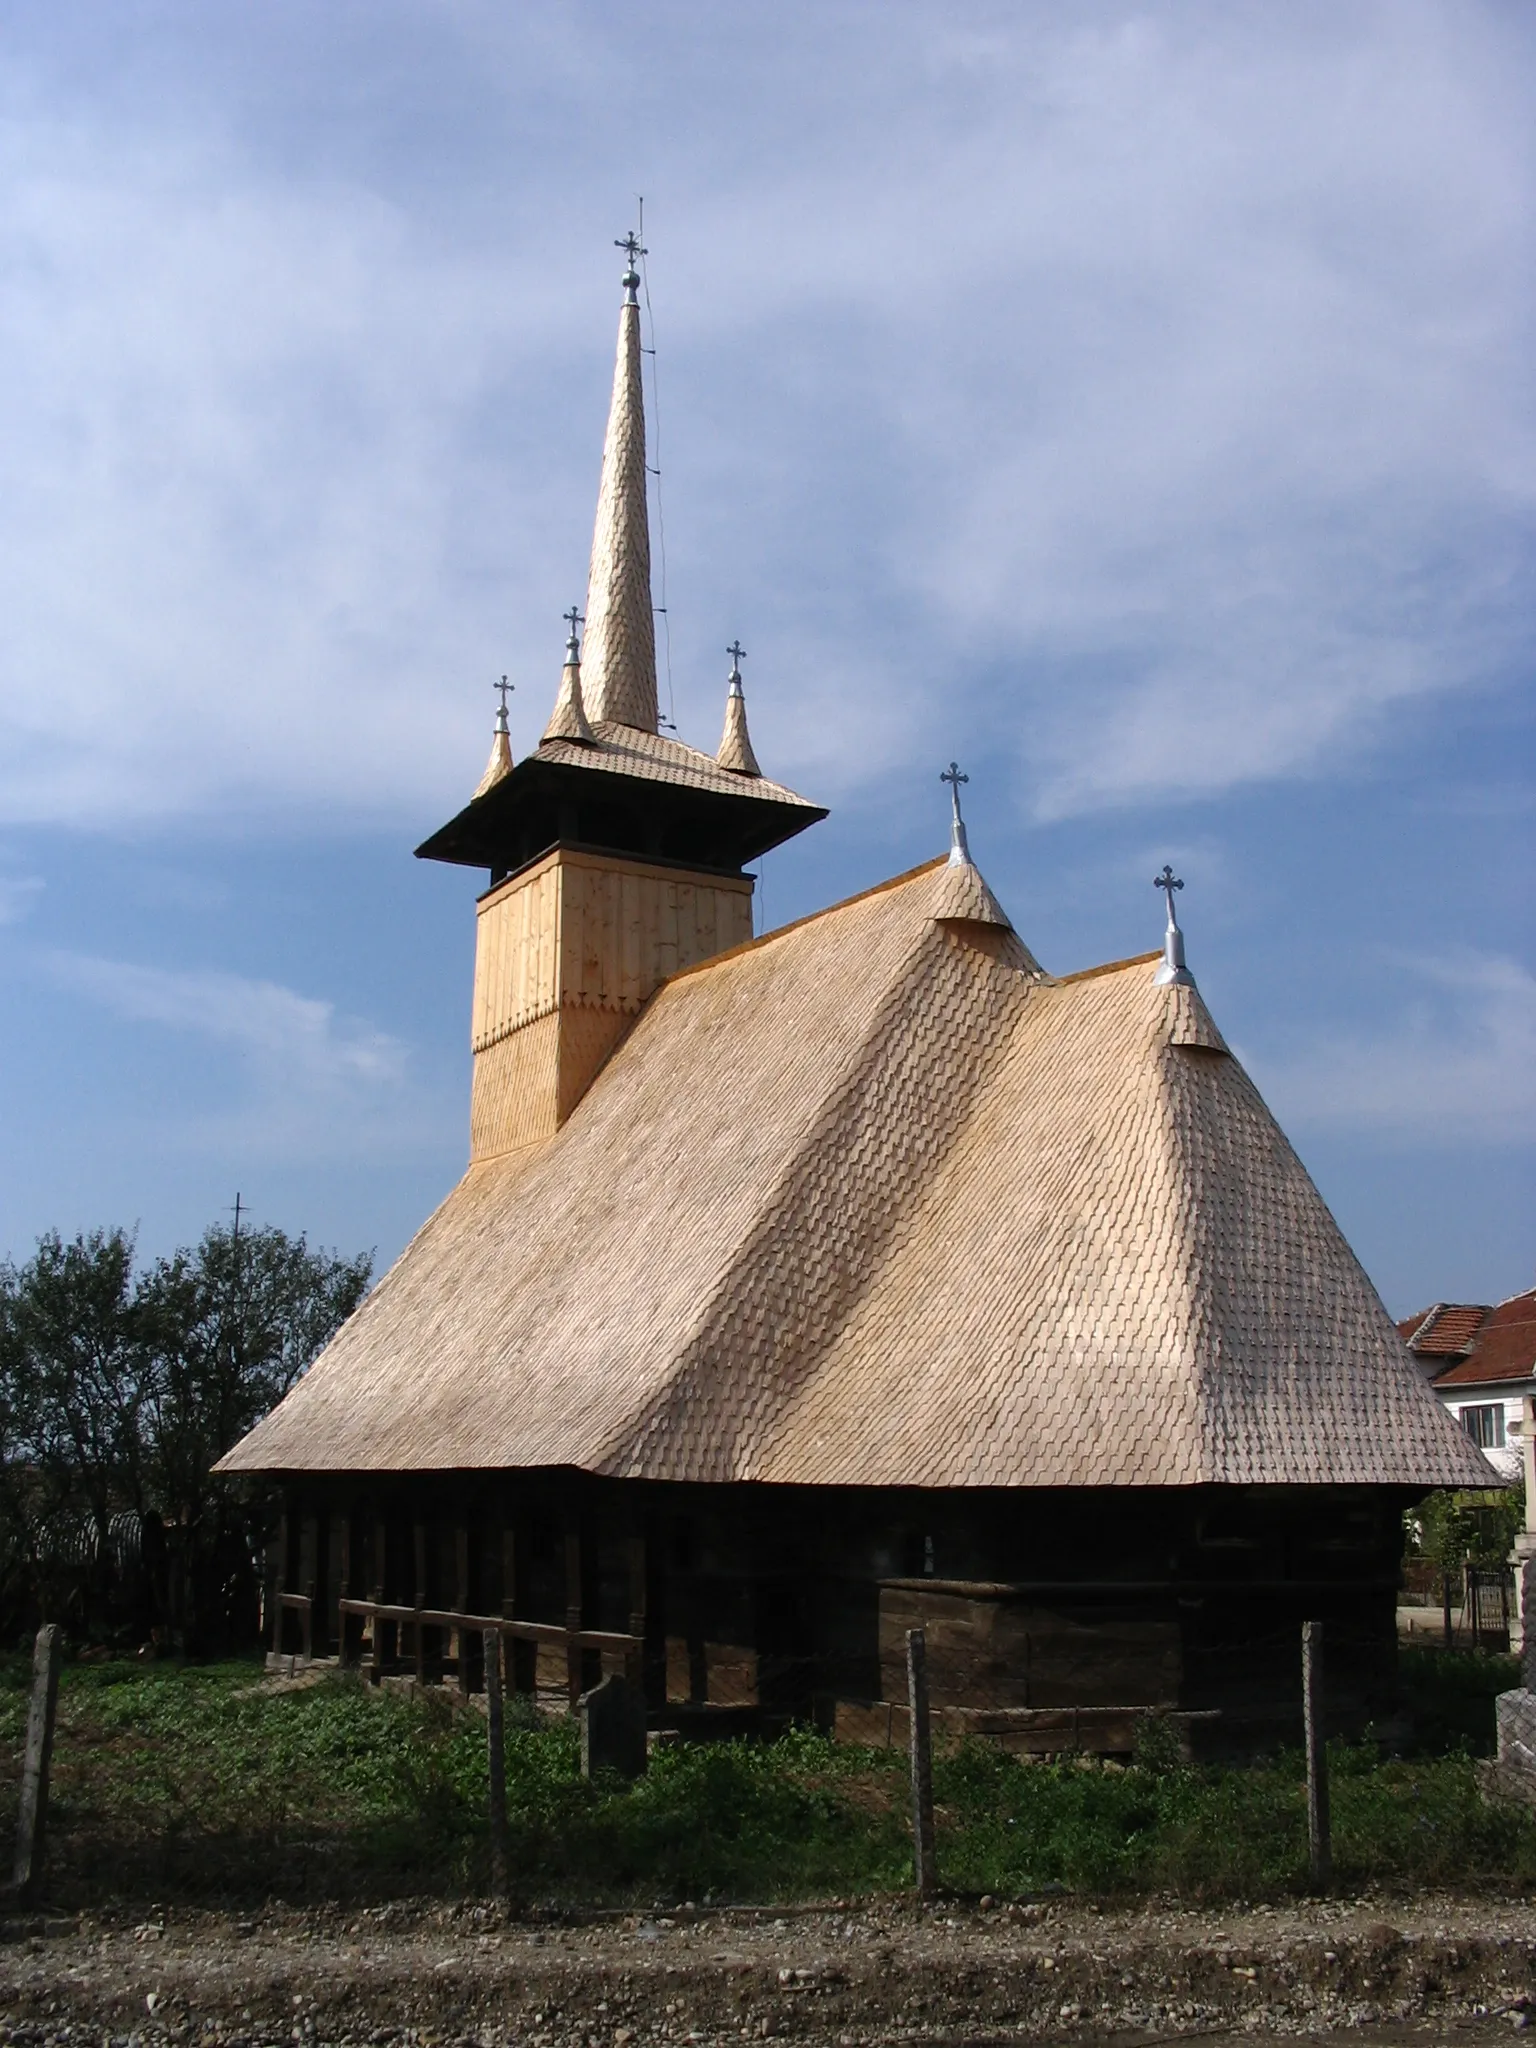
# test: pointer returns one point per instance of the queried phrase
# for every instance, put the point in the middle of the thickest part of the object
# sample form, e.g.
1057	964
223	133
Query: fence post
1319	1838
497	1758
32	1818
923	1860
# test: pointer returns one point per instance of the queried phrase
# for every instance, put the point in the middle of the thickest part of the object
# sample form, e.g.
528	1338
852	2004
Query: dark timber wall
755	1605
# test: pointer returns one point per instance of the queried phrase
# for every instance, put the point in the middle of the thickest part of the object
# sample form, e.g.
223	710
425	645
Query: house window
1485	1425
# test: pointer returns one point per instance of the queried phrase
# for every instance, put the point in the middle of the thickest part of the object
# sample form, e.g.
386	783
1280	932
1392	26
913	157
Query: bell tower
616	853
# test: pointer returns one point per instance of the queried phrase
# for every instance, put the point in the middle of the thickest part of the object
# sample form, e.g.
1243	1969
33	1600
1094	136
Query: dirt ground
1378	1969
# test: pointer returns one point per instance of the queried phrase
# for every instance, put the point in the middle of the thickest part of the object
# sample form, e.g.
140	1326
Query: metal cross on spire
634	250
959	848
506	690
735	651
573	619
1173	973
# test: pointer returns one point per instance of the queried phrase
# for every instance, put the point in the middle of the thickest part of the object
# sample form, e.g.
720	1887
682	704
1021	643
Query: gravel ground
1378	1969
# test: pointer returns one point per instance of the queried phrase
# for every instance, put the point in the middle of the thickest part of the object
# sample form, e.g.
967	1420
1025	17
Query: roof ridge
1109	967
796	924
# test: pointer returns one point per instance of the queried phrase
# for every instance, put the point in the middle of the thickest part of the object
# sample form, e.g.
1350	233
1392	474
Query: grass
189	1782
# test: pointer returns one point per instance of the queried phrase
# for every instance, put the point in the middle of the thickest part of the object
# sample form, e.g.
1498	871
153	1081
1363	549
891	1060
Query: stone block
612	1728
1516	1716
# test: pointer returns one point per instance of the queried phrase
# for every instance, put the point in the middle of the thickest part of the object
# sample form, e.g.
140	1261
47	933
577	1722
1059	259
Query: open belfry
808	1288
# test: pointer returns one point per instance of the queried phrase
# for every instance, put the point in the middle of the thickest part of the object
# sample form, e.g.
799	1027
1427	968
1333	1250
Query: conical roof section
500	764
620	653
736	742
568	720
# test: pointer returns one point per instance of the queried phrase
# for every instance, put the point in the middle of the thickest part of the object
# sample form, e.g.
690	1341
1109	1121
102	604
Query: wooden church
805	1288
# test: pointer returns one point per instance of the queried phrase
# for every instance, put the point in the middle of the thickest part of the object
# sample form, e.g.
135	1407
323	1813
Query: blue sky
1132	401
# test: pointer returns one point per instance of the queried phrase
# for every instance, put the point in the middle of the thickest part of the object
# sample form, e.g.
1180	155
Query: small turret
568	720
736	742
500	763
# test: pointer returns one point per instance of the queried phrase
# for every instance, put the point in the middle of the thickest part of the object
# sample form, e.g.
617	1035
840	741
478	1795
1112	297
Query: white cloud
1146	385
306	1081
1459	1066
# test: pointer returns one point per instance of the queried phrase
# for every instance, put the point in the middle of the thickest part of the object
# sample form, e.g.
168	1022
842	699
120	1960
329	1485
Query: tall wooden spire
619	656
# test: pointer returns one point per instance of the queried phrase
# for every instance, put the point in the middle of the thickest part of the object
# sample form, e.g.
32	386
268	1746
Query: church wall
756	1605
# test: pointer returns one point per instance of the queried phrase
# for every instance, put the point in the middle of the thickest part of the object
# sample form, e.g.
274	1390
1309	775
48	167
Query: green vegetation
1453	1529
121	1386
199	1783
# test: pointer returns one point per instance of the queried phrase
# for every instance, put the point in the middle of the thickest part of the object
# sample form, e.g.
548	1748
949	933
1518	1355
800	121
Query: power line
661	523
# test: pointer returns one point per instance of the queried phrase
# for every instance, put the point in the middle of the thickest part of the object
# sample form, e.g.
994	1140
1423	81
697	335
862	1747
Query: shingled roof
873	1201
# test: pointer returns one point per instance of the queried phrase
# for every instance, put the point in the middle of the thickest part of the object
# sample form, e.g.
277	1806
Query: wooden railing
380	1615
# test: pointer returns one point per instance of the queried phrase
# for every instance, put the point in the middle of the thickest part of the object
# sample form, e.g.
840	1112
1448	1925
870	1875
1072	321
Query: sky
1131	402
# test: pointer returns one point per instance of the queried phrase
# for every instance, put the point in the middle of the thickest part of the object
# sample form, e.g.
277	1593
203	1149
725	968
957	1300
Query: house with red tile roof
1481	1361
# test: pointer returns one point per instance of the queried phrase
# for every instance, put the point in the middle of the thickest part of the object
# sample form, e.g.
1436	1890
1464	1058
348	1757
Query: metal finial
1173	973
736	651
632	248
959	849
573	619
506	690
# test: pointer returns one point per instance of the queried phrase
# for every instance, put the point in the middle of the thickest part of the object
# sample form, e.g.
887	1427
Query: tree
71	1364
119	1392
234	1324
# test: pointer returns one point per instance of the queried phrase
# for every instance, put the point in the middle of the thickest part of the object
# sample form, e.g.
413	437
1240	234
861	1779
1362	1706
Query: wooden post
498	1761
380	1558
461	1601
338	1582
1319	1834
32	1817
418	1601
573	1611
923	1860
635	1672
522	1658
277	1578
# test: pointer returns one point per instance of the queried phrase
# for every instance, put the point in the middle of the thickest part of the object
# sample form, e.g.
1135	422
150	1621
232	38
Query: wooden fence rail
469	1628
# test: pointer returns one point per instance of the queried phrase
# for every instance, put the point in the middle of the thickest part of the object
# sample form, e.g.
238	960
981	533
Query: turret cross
631	247
735	651
954	778
1168	880
573	619
506	690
